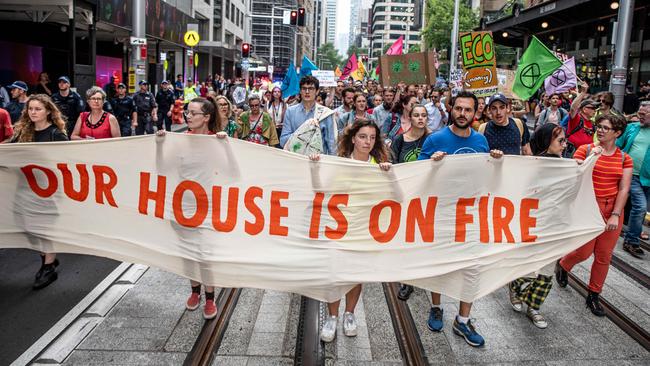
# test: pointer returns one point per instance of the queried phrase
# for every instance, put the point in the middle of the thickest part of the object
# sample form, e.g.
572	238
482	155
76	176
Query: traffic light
301	17
293	20
245	50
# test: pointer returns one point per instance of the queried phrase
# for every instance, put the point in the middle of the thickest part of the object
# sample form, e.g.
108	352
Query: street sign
245	64
270	68
135	41
191	38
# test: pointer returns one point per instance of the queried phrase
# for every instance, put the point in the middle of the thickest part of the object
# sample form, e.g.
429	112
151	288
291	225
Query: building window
232	11
227	9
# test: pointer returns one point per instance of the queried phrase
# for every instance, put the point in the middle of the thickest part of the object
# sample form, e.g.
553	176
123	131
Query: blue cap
18	85
64	78
143	82
498	97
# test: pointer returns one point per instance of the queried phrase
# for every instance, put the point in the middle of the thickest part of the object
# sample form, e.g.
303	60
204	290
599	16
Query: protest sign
411	68
456	82
254	216
326	78
479	63
506	78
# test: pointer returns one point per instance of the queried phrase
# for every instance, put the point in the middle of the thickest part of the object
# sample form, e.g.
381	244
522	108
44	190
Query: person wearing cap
165	100
124	110
189	92
580	129
69	103
146	108
4	97
503	132
18	100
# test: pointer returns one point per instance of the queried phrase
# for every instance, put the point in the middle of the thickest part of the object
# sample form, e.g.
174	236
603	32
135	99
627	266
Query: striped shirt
608	170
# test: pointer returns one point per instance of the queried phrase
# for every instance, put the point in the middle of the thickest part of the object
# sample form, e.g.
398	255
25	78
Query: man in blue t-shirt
504	133
458	138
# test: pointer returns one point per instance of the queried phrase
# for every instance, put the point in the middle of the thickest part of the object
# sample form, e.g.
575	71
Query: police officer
165	100
124	108
145	105
70	103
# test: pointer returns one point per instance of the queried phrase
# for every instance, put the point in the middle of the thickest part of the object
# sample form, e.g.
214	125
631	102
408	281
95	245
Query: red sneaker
210	309
193	301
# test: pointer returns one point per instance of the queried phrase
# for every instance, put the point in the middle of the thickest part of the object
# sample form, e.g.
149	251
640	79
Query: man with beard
381	112
347	106
458	138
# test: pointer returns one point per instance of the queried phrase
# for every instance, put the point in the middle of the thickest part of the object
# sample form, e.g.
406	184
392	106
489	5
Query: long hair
25	127
219	123
209	107
398	107
345	148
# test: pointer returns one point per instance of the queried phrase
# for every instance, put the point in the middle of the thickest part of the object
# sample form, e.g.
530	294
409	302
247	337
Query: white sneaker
537	318
328	333
349	324
514	301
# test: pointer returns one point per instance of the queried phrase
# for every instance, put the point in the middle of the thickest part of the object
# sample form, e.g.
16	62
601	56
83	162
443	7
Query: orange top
608	170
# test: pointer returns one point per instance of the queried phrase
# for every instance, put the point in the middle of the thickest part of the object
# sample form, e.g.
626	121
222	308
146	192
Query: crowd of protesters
368	122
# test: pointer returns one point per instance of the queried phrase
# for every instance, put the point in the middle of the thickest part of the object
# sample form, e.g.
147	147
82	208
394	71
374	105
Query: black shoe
635	250
593	303
45	276
561	276
405	292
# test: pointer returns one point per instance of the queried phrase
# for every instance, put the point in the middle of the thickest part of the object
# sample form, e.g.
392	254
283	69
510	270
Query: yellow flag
360	72
338	72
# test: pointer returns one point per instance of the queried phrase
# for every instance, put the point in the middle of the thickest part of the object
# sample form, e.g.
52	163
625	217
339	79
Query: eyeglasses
604	128
562	140
308	88
590	107
191	114
96	99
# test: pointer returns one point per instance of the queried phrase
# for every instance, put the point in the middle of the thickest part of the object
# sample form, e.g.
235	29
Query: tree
414	48
353	49
328	57
440	20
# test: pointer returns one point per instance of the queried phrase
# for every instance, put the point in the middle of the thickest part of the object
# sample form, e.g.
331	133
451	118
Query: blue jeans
639	197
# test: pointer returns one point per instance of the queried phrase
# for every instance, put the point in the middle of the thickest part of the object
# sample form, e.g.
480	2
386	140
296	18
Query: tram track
626	324
407	335
309	348
207	344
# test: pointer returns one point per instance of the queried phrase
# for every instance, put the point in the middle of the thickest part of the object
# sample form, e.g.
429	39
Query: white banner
235	214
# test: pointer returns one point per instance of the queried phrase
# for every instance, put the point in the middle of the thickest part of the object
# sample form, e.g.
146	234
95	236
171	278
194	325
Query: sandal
644	236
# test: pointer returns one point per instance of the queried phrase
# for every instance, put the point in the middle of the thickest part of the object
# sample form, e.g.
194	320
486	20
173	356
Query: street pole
272	34
622	48
454	40
138	63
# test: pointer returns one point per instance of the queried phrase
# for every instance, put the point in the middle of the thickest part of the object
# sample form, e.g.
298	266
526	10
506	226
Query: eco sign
479	63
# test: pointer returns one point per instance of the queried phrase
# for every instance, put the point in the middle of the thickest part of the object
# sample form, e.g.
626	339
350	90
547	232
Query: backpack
518	122
595	144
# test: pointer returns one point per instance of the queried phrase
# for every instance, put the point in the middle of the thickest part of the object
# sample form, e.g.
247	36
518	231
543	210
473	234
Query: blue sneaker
468	332
435	319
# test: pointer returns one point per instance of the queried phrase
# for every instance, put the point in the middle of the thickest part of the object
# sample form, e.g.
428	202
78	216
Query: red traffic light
301	17
245	50
293	20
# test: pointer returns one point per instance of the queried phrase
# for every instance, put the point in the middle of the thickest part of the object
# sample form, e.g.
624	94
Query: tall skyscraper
354	21
389	22
331	21
283	35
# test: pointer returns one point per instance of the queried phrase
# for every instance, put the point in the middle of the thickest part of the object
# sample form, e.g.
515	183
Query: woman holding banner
41	121
202	119
612	176
361	141
547	141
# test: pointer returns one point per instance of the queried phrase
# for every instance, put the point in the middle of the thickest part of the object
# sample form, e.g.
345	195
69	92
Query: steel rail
408	338
309	348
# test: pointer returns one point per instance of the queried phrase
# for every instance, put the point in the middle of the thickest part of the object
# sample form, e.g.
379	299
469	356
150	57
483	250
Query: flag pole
454	41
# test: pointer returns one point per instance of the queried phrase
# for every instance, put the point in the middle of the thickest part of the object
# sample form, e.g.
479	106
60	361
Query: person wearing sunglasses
612	175
257	126
580	129
547	141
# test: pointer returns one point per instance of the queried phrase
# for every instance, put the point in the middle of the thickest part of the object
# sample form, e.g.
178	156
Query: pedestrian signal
293	20
301	17
245	50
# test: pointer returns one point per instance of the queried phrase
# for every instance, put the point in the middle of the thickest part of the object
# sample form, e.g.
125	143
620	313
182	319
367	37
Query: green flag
535	65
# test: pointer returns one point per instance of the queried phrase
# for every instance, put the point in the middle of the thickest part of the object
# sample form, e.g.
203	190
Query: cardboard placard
326	78
412	68
506	78
478	54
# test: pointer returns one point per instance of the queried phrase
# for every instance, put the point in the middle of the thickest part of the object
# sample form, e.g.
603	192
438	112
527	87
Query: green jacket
268	128
625	143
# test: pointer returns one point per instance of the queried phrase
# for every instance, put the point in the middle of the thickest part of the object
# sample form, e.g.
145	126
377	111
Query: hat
121	85
18	85
589	102
498	97
143	82
189	79
64	78
165	82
